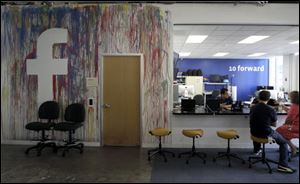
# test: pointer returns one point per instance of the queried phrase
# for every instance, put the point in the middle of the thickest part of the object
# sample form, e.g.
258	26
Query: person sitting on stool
290	129
262	117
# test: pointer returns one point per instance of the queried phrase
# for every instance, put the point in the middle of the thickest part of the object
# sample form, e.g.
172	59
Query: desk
210	123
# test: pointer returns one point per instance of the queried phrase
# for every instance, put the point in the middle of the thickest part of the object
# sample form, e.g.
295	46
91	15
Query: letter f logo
44	65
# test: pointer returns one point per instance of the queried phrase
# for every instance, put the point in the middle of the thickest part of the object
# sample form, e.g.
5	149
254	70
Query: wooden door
121	100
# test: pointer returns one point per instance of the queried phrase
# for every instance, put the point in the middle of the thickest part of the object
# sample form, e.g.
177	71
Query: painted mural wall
92	30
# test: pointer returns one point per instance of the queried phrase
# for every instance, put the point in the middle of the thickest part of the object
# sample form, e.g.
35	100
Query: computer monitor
213	105
188	104
186	90
273	94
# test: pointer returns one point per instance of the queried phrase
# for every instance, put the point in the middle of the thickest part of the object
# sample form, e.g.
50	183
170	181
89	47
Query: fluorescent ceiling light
221	54
182	54
257	54
295	42
253	39
296	54
196	38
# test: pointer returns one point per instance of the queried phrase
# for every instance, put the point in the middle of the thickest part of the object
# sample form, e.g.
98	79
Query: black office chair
215	94
199	99
49	111
74	118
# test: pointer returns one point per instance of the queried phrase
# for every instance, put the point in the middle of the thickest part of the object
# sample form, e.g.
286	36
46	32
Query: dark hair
294	96
264	95
223	91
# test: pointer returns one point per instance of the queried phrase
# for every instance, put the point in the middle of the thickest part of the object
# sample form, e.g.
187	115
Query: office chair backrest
213	105
49	110
199	99
75	113
215	94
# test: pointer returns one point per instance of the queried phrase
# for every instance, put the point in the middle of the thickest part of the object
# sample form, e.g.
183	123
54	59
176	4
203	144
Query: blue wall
245	80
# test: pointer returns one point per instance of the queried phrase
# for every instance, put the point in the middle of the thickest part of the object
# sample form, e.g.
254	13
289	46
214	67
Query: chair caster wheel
229	165
214	160
243	162
173	155
187	162
250	165
204	161
166	160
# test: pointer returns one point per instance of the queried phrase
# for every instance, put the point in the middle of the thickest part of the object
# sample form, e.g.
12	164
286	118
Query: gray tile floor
105	164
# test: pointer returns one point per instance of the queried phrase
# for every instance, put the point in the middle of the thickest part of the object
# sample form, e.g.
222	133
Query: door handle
106	106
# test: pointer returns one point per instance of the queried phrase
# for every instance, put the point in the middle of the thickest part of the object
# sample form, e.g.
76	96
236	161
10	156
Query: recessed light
183	54
295	42
221	54
257	54
196	38
253	39
296	54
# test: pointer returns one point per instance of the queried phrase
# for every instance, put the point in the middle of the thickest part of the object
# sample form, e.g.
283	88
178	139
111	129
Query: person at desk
262	117
225	99
290	129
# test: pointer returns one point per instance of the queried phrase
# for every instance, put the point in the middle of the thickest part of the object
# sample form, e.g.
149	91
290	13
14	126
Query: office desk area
200	110
210	123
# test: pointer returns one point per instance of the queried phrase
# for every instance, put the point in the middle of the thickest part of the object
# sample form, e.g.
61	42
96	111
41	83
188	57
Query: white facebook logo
44	65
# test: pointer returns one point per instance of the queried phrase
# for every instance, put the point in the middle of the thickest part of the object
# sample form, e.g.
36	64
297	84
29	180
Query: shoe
285	169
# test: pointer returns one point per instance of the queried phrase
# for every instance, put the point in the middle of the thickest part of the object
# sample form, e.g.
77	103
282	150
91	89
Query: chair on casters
228	134
193	133
74	116
159	132
262	158
199	99
49	111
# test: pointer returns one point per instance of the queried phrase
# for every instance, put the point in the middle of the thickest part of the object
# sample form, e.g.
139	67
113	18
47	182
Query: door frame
101	91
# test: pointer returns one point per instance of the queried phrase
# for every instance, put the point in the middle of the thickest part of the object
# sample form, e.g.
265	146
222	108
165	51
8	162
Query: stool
228	134
159	132
194	133
262	158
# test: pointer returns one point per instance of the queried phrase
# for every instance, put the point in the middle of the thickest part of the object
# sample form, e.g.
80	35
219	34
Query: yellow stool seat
160	132
192	132
262	139
228	134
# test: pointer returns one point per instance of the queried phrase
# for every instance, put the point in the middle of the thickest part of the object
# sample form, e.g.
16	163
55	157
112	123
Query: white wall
291	72
228	13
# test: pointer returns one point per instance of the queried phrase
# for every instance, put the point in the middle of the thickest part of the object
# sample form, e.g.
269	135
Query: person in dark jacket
262	117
